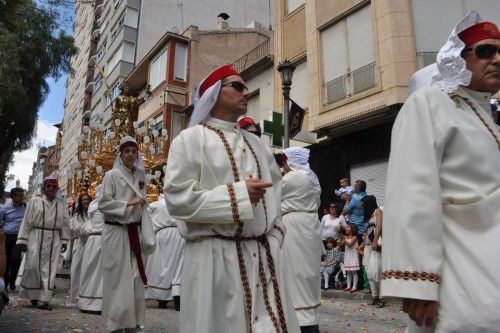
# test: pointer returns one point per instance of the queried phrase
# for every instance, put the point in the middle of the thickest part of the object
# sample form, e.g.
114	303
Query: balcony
253	57
350	84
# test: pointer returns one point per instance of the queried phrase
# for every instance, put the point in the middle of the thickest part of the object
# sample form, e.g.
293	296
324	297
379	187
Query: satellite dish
223	16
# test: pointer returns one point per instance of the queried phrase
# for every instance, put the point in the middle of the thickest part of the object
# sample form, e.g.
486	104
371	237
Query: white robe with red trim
197	194
441	214
43	235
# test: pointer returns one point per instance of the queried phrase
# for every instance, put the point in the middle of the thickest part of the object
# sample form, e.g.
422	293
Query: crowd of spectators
351	230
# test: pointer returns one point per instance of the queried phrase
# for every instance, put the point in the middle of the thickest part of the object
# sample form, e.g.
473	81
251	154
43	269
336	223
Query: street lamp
286	69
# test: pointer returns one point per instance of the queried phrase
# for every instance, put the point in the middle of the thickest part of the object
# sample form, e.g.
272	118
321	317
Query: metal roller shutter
374	174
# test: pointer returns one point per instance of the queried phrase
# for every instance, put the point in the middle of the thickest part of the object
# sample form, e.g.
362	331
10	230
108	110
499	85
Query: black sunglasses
51	186
241	87
258	133
484	51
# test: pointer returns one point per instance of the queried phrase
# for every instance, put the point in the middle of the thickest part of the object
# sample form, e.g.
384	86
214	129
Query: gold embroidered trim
406	275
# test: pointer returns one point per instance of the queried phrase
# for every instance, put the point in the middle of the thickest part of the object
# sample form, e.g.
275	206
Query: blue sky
52	109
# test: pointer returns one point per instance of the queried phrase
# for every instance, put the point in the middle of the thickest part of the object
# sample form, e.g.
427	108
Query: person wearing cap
90	294
445	150
164	267
302	246
225	188
43	234
127	235
249	125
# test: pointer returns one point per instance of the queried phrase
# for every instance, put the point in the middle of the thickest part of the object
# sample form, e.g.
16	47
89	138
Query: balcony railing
349	84
425	58
253	56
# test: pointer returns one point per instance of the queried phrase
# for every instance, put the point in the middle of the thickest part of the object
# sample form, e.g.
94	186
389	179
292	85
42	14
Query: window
291	5
253	106
158	123
348	56
131	17
157	69
180	65
299	87
98	82
115	91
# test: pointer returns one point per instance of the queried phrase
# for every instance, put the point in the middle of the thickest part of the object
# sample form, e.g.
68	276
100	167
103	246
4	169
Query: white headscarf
298	160
204	104
421	78
451	70
94	203
139	162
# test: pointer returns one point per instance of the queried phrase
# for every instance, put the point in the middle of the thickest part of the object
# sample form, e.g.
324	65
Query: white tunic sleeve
110	205
413	222
188	201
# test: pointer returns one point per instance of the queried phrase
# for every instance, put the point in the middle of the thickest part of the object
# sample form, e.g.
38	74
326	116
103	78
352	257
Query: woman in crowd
77	226
331	223
372	247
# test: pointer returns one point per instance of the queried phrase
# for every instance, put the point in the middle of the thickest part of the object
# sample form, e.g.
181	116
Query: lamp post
286	69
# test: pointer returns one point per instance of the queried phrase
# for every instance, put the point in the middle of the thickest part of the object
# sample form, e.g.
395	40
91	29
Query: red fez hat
128	144
478	32
217	75
245	121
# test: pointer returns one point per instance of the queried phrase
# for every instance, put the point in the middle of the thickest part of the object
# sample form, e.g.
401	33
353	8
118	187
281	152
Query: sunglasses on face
241	87
484	51
51	186
258	133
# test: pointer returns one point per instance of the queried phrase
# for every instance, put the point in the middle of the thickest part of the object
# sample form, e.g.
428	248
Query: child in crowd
332	259
351	258
344	187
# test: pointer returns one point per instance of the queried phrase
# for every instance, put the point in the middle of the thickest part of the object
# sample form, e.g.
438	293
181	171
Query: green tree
32	49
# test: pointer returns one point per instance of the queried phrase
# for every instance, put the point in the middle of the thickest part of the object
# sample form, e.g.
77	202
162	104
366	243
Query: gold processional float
98	148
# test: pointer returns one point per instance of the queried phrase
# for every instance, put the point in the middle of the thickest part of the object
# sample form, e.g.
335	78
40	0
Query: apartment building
77	97
357	57
168	74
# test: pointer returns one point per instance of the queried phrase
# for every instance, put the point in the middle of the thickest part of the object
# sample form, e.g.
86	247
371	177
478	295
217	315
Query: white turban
451	70
298	160
94	203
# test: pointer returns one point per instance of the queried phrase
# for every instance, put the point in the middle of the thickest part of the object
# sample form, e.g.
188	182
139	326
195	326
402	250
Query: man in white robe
302	246
123	205
44	233
439	233
224	187
164	266
90	296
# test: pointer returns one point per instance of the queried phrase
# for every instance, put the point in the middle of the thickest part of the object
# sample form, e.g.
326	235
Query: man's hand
136	201
64	247
22	247
418	310
374	246
256	189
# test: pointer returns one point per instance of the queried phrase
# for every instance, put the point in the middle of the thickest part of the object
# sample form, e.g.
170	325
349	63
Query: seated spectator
332	260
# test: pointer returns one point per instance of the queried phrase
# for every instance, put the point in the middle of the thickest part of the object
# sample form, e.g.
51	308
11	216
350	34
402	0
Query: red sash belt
135	245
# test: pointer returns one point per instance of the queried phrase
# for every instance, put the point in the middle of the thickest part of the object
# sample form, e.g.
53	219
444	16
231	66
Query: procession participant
164	266
44	233
77	227
90	294
445	150
249	125
123	205
11	216
302	246
225	188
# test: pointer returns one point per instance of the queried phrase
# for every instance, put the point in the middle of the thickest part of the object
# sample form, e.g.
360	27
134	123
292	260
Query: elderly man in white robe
302	247
445	151
90	295
44	233
164	266
123	205
225	188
